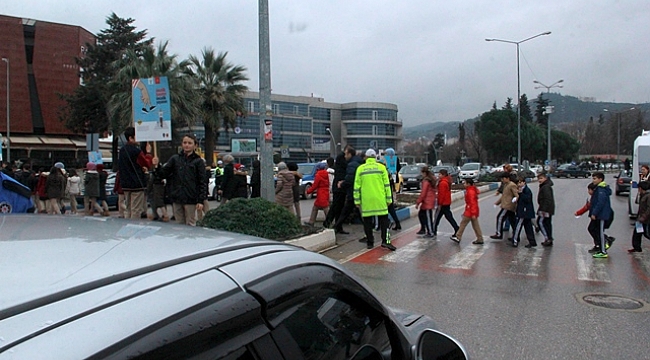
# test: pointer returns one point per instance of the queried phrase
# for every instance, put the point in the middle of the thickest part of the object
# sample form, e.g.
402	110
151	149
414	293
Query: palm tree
155	62
221	93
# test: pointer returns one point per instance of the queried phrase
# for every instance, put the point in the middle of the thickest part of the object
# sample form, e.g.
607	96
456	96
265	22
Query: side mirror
434	345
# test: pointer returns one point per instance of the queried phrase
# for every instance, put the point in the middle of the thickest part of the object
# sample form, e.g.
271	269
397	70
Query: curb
316	242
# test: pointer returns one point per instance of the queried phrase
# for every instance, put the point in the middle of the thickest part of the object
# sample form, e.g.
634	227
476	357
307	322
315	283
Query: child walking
426	203
470	214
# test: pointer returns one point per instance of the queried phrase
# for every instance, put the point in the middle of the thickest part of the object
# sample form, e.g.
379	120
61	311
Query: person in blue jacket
14	196
600	212
525	214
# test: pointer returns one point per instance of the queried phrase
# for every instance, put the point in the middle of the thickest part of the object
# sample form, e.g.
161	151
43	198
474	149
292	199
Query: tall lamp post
336	147
519	88
548	118
8	113
618	137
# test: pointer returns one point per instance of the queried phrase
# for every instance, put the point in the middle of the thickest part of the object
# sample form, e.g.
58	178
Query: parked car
411	176
450	169
121	289
623	182
537	169
471	171
499	168
568	170
308	171
487	169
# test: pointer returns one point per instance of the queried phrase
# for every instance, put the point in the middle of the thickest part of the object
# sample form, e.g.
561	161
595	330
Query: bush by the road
257	217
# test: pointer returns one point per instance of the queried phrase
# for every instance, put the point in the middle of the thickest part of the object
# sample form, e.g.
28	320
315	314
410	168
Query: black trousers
446	211
338	201
596	229
505	215
426	220
393	214
545	227
527	224
368	225
345	212
638	237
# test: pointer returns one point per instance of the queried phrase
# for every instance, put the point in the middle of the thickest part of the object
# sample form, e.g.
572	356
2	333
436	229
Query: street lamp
548	118
618	137
519	88
8	112
333	141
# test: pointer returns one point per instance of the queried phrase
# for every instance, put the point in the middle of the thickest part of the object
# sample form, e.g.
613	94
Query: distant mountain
568	109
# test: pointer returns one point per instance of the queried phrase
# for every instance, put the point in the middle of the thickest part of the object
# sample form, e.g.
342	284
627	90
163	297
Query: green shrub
257	217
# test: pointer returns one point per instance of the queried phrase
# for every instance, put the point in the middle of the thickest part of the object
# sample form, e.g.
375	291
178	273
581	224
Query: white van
641	157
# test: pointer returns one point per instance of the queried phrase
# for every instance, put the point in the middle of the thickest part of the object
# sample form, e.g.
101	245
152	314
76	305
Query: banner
152	109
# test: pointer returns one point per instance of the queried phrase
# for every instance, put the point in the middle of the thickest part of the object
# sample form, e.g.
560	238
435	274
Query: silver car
82	287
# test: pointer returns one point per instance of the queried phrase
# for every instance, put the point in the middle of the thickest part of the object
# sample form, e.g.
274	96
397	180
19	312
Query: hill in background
568	109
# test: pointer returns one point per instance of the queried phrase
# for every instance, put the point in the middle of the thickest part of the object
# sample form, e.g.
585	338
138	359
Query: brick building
41	60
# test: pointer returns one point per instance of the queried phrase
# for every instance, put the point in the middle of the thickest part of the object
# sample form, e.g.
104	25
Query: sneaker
547	243
634	250
600	255
421	232
388	246
531	245
595	249
477	242
308	224
429	236
609	241
455	239
495	236
370	246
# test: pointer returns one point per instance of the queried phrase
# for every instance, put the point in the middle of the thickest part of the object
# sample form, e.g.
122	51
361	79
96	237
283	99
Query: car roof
60	269
65	252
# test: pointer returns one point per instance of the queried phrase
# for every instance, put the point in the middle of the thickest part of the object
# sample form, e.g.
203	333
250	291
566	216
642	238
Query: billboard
152	116
243	145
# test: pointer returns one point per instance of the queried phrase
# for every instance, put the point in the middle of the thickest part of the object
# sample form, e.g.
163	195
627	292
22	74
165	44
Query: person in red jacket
426	202
322	187
444	202
470	214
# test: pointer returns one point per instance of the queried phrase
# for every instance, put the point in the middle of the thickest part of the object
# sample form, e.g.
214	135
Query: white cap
219	162
371	153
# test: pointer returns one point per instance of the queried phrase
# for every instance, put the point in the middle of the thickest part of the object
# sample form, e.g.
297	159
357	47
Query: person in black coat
525	214
228	186
186	172
545	208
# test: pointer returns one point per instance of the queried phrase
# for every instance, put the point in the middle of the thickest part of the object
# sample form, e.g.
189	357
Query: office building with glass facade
310	129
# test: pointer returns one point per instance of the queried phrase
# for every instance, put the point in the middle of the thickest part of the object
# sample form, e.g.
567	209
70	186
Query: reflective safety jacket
372	188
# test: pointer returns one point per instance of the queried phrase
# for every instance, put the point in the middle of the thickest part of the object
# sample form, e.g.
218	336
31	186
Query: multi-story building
309	129
40	57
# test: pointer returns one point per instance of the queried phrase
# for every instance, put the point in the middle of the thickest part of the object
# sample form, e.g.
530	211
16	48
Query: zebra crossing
442	254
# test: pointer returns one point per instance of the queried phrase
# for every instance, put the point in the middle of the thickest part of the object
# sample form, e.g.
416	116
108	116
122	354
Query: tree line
492	136
206	88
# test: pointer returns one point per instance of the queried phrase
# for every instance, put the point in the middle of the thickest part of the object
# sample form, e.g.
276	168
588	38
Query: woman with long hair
426	202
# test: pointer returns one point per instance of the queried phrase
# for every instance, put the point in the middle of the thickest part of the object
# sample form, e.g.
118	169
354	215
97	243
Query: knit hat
99	167
371	153
321	166
59	165
239	167
91	166
282	166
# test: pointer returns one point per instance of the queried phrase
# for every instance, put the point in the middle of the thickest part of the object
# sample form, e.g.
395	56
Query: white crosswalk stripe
466	258
409	252
590	269
527	262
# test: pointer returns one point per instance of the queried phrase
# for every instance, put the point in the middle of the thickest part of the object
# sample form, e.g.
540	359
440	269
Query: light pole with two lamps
519	88
8	112
618	136
548	118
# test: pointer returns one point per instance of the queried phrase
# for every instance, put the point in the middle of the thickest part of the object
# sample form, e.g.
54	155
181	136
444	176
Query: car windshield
410	169
471	166
438	168
565	166
306	169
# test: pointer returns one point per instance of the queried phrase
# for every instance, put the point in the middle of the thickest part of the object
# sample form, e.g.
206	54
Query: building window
375	115
251	106
276	108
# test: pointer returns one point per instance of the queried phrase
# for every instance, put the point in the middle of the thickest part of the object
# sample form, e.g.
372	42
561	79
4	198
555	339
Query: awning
25	140
56	141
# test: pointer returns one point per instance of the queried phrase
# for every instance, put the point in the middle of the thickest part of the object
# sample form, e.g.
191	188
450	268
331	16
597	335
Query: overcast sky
429	57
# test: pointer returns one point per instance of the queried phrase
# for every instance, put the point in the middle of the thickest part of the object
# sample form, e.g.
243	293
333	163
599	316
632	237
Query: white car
471	171
537	169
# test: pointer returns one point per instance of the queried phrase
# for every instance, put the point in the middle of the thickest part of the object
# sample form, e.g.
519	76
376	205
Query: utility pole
266	113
